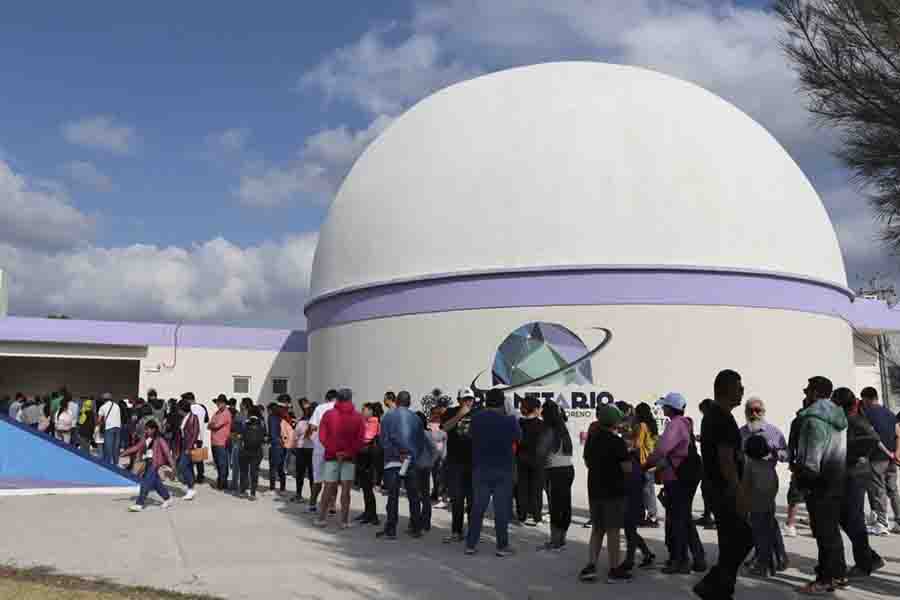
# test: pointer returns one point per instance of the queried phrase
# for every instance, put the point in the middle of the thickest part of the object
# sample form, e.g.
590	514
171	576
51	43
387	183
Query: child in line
760	485
609	464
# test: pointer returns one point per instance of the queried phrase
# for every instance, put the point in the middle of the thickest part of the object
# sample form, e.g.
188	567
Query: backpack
690	471
254	437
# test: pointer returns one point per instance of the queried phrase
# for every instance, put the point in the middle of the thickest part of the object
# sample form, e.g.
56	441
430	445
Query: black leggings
249	472
365	469
559	483
530	491
304	459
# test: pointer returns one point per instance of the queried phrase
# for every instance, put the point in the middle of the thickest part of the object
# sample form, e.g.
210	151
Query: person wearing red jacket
154	451
342	433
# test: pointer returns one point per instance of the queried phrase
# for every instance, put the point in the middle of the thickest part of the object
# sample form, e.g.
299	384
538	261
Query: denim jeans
151	482
488	484
393	481
111	440
853	520
423	483
681	533
459	484
649	495
186	469
276	467
221	459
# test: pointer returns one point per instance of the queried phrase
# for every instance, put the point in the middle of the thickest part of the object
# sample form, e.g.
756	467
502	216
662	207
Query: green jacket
820	461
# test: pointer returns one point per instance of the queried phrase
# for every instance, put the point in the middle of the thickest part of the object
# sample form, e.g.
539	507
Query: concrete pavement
232	548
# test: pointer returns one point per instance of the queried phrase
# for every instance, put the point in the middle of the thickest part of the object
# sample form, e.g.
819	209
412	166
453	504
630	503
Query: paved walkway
269	549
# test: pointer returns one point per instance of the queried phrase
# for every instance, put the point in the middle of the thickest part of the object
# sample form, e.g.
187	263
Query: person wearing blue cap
674	449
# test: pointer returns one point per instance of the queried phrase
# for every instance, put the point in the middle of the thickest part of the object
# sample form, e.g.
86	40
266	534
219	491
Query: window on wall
280	385
241	384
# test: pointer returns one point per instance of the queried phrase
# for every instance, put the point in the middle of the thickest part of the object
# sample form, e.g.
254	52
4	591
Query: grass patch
44	583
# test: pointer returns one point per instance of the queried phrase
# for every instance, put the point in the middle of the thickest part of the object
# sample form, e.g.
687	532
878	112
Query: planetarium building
617	229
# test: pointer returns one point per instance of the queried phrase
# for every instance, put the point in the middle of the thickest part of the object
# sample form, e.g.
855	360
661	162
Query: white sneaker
878	529
790	531
135	508
166	504
896	528
190	495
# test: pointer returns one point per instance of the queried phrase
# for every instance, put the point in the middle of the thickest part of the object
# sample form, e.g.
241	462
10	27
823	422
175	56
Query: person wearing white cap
673	449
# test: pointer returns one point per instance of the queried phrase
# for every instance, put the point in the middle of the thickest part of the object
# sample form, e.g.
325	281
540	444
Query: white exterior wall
4	295
655	349
208	372
868	365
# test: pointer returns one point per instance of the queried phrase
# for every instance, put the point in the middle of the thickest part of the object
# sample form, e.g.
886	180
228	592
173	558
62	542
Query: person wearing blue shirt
882	481
402	440
493	435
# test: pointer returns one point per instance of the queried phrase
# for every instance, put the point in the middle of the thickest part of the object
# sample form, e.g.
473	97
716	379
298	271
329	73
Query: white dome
567	166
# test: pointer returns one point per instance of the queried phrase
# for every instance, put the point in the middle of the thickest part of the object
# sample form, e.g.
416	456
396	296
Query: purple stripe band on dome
585	287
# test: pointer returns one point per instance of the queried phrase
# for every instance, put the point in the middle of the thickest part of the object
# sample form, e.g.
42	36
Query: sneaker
618	575
504	552
550	547
674	568
877	564
312	509
470	551
589	573
699	566
648	562
385	535
878	529
190	495
453	538
135	508
896	528
649	523
252	498
758	571
790	531
857	573
529	522
628	565
416	534
166	504
321	523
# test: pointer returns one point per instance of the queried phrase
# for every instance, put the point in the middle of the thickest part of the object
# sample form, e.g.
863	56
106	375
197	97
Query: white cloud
36	214
383	79
229	141
321	166
101	132
87	174
214	281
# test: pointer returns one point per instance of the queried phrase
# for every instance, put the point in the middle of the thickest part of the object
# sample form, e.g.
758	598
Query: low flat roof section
124	333
873	316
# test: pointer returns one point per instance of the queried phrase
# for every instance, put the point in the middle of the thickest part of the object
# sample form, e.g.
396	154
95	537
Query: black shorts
608	513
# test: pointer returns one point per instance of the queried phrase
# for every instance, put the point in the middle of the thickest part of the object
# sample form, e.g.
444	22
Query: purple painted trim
121	333
873	316
587	287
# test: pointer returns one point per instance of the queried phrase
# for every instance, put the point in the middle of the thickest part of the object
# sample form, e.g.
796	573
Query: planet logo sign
549	362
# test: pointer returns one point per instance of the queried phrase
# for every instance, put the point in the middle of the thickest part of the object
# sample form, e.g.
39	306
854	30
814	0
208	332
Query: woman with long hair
555	453
366	462
63	421
645	433
303	449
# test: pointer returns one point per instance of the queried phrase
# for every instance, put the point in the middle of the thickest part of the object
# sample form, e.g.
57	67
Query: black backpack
254	437
690	472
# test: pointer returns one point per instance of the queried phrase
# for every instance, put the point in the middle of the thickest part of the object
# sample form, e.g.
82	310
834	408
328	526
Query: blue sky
174	160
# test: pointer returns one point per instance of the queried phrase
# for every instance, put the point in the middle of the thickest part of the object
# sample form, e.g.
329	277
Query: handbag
139	467
690	472
199	455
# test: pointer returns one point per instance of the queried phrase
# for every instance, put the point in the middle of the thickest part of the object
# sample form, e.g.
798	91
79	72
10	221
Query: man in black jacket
529	465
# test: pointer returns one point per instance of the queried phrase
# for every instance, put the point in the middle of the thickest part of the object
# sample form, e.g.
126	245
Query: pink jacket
672	446
161	454
220	426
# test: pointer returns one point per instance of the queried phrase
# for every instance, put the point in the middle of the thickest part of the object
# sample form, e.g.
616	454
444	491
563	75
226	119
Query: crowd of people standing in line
474	454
